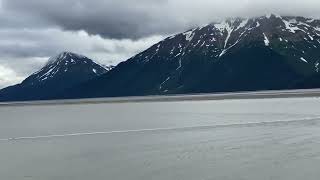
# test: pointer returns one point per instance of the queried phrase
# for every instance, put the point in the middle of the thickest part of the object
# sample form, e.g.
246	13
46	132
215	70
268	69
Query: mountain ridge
240	54
192	61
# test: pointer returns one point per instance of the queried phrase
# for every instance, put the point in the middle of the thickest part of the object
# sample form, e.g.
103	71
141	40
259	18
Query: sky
111	31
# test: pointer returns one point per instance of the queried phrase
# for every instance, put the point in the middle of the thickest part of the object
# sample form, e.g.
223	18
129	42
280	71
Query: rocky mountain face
60	73
263	53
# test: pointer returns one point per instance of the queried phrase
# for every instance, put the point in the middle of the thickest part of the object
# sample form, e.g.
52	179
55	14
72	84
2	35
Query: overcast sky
110	31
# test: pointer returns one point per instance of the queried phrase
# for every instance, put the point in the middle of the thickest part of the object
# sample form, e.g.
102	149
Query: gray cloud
46	42
139	18
8	76
111	19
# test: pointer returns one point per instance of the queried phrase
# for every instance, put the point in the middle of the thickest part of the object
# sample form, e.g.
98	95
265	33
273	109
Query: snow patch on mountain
62	56
221	26
303	59
229	30
242	24
258	24
291	27
310	20
223	52
189	35
266	40
163	83
316	65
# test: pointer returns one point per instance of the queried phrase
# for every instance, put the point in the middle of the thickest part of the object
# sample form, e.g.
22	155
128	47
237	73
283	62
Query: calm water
231	139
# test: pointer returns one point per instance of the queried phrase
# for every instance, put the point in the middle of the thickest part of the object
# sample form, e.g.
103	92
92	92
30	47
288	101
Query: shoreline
174	98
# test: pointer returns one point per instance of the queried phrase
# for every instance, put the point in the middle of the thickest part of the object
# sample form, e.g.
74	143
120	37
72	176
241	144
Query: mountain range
264	53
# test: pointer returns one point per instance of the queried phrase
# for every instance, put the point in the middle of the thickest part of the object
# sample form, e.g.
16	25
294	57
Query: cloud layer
140	18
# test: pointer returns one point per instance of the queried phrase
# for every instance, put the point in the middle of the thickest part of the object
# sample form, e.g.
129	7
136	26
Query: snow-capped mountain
268	52
66	64
262	53
60	72
296	37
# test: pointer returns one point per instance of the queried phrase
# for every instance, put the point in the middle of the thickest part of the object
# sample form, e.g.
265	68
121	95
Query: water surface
230	139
